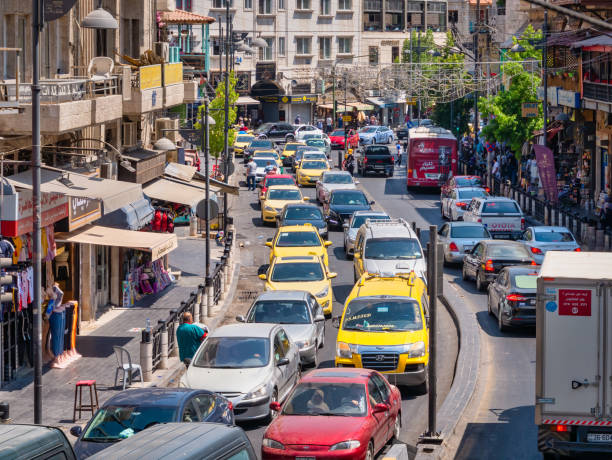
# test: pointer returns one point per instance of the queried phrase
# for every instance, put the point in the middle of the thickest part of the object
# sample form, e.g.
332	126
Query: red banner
546	171
574	302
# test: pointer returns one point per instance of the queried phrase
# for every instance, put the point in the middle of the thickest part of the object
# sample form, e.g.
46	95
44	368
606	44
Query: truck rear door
502	218
569	341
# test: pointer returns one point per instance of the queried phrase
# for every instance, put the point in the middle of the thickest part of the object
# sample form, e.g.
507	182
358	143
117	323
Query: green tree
217	112
504	109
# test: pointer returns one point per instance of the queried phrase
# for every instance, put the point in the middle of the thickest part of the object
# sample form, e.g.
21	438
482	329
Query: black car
131	411
401	133
488	257
375	158
279	131
342	204
257	144
512	297
303	213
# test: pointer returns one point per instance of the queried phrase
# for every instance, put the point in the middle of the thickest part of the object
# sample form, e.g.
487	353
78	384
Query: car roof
337	173
296	259
279	176
302	205
466	177
155	396
283	295
392	228
468	189
244	330
460	223
283	187
549	228
343	374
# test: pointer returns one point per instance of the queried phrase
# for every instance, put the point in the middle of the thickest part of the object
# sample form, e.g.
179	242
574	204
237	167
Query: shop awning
175	191
340	107
378	101
133	216
158	244
361	106
600	41
113	194
184	17
191	175
247	100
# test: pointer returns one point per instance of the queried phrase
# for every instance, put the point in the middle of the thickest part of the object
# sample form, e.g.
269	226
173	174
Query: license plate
467	248
599	437
532	301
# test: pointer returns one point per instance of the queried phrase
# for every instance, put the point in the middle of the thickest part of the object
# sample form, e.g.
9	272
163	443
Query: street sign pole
433	316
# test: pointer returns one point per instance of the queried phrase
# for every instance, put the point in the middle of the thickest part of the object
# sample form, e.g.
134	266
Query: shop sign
530	110
304	99
82	211
568	98
265	71
347	118
410	101
552	95
173	73
389	43
17	211
150	76
273	99
163	249
546	171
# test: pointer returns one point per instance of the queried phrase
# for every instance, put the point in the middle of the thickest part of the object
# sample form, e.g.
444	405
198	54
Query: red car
461	181
337	139
337	413
275	179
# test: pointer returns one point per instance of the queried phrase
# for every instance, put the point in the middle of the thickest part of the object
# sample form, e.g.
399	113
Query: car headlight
259	392
414	350
272	444
304	343
344	445
345	350
269	209
323	292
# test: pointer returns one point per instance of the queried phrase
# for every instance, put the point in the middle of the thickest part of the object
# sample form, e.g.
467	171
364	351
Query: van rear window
497	207
377	150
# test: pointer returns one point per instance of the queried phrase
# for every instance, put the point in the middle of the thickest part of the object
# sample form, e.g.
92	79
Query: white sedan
334	180
542	238
302	130
454	205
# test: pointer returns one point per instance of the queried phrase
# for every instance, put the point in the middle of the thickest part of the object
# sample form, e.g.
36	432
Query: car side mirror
372	202
282	362
336	322
319	318
262	276
356	182
269	244
306	198
240	319
331	275
76	431
187	361
328	243
275	406
380	407
345	225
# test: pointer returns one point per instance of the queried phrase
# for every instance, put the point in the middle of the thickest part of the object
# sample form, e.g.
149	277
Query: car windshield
114	423
283	194
338	132
316	142
345	199
469	194
469	231
367	314
468	181
298	239
315	156
279	312
525	281
338	179
327	399
264	127
303	213
292	147
392	248
261	143
263	162
244	138
501	251
358	221
500	207
312	165
377	150
371	129
294	272
233	352
279	181
554	237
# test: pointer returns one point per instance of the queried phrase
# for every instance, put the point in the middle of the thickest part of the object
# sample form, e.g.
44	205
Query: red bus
432	156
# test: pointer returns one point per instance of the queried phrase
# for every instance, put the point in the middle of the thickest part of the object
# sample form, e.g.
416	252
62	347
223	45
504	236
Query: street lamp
165	144
206	122
99	19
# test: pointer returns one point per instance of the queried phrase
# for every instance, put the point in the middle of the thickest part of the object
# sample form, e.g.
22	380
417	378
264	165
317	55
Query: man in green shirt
189	336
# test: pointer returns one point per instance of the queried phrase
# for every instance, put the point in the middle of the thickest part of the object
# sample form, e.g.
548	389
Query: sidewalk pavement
118	326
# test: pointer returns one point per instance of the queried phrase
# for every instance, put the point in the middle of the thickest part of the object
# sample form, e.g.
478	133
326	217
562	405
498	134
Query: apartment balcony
372	5
67	104
597	91
155	87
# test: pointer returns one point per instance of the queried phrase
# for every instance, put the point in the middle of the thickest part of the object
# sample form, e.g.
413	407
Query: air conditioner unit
130	134
162	49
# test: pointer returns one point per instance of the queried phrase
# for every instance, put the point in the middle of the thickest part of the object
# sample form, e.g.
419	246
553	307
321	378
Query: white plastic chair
100	68
124	363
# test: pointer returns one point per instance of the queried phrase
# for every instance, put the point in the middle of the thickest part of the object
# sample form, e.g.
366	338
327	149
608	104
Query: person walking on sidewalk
251	174
189	336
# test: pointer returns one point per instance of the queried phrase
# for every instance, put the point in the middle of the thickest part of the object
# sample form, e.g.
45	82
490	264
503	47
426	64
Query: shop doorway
102	276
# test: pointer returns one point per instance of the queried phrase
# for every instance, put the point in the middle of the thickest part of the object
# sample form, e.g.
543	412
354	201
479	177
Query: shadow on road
395	186
341	292
488	324
339	253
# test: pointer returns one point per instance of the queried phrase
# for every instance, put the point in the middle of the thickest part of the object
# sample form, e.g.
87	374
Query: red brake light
460	204
523	224
515	298
533	262
365	160
487	189
453	247
479	221
489	266
536	250
230	405
560	428
577	250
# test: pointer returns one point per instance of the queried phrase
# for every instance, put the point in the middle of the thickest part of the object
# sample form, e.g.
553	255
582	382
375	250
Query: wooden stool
78	390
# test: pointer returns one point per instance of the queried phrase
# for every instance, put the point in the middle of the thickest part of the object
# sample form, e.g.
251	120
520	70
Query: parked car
34	442
401	133
134	410
354	224
349	413
257	144
488	257
541	239
342	204
459	238
169	441
333	180
300	314
512	297
375	158
303	213
376	135
337	139
454	182
454	205
302	130
279	131
502	216
252	365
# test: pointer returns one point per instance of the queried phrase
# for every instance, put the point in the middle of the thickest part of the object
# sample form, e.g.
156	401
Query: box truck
573	397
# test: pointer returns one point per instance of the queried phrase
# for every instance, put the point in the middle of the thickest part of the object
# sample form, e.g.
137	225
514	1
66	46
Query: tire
370	452
480	285
272	414
423	388
489	310
500	325
397	427
464	274
290	138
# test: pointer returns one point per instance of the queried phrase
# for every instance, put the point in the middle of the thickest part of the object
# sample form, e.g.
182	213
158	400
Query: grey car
352	227
300	315
334	180
541	239
251	364
459	238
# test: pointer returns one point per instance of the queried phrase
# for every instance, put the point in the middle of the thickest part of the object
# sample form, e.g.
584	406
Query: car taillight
536	250
230	405
523	223
489	266
577	250
409	171
533	262
453	247
515	298
487	189
560	428
460	204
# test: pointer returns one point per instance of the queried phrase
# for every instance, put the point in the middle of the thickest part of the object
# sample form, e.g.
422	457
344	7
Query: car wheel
290	138
480	284
370	452
464	274
500	325
397	427
423	388
273	414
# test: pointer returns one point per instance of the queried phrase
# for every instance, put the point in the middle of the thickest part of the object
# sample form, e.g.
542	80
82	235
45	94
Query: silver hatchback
459	238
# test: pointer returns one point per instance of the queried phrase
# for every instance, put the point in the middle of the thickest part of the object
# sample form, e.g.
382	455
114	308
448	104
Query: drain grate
244	295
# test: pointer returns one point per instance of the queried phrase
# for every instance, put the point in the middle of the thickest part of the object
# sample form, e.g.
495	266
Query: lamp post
228	26
205	123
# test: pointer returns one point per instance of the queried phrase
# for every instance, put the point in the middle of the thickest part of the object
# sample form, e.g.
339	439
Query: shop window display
143	277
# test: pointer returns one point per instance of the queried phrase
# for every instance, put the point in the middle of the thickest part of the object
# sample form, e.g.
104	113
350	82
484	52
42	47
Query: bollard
146	356
202	303
196	307
174	353
163	361
599	240
193	227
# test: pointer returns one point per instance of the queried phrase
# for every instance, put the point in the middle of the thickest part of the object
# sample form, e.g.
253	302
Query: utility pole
411	78
419	67
334	96
344	123
476	69
226	108
206	148
545	76
432	284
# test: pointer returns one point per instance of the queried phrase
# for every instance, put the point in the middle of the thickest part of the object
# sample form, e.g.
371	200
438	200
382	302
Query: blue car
304	213
376	135
132	411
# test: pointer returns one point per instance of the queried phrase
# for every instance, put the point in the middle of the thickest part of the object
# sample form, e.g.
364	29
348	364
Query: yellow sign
150	76
346	118
173	73
530	109
410	101
284	99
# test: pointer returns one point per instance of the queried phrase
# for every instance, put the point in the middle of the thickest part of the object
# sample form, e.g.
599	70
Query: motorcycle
348	164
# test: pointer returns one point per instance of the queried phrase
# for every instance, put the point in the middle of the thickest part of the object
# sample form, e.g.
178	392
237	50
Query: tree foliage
217	112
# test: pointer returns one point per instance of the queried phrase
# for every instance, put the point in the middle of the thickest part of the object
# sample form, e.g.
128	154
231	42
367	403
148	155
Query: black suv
279	131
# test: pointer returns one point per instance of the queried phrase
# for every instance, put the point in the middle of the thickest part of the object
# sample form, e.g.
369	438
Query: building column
87	275
115	276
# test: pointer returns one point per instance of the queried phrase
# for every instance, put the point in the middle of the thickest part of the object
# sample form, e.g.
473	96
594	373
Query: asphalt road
252	235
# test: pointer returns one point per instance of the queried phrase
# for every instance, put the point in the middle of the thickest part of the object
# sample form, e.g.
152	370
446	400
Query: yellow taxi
297	240
301	273
289	151
310	171
242	142
384	327
276	197
264	153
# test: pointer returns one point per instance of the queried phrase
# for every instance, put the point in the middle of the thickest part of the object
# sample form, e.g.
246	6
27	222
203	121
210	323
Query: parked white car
251	364
542	239
454	205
